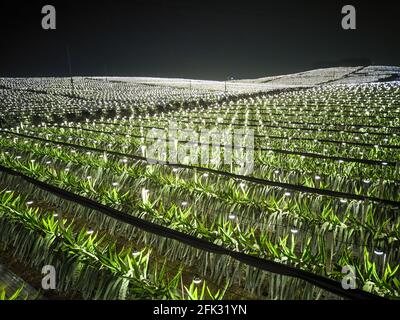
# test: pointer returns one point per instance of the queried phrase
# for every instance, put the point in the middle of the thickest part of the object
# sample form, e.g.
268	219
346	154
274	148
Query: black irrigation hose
266	265
288	186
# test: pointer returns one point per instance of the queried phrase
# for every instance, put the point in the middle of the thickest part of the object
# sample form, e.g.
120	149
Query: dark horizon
199	40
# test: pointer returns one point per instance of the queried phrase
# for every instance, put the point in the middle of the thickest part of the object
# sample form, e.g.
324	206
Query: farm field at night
305	206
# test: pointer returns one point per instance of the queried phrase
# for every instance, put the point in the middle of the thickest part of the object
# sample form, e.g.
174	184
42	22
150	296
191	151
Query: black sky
196	39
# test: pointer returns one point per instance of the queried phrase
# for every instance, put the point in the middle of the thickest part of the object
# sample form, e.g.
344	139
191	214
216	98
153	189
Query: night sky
194	39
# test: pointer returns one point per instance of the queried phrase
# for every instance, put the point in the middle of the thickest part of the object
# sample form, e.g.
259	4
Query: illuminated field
80	191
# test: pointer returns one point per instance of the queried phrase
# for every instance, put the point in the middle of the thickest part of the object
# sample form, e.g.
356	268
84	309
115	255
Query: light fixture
378	252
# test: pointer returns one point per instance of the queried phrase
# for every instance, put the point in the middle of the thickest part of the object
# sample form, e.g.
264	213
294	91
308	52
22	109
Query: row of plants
365	179
134	135
243	196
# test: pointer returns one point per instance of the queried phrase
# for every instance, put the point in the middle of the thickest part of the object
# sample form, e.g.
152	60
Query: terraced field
84	190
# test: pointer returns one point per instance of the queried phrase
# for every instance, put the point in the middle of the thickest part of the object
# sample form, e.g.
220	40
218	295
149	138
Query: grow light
196	280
